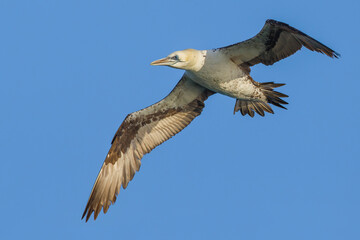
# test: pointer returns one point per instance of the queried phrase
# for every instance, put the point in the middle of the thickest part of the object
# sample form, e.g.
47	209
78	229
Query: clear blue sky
71	71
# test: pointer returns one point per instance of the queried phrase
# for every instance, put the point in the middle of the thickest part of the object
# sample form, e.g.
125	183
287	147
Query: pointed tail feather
248	106
272	96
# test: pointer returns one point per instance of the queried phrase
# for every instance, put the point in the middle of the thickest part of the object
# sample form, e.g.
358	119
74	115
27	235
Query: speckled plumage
223	70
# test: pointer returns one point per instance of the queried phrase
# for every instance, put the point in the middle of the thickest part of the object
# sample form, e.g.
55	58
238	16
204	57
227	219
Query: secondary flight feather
223	70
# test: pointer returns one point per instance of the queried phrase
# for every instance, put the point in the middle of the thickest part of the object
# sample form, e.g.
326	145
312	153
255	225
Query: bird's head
186	59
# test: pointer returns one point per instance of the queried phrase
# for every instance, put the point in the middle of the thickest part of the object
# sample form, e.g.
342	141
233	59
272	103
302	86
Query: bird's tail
249	106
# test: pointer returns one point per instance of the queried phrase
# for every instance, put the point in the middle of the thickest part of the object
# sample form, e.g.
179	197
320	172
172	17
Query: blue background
71	71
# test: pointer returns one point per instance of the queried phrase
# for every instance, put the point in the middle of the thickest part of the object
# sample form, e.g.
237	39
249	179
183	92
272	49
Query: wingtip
88	214
329	52
336	55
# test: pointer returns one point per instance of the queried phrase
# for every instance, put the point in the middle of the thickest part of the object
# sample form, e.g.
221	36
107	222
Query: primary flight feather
223	70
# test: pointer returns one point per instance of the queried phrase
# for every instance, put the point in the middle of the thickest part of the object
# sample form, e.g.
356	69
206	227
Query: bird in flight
223	70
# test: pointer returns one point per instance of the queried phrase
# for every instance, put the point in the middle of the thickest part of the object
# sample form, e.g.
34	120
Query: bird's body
223	70
219	74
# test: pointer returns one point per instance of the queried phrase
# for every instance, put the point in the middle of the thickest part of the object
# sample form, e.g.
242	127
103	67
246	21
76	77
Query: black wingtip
336	55
323	49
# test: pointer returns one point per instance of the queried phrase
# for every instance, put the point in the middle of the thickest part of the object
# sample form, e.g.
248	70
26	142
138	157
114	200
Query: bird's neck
197	61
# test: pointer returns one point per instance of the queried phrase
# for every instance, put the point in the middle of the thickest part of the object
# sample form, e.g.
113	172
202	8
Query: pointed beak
164	61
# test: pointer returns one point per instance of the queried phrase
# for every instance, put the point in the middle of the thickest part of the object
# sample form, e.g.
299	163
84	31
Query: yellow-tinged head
187	59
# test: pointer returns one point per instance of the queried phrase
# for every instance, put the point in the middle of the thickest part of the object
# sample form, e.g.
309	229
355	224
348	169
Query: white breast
219	74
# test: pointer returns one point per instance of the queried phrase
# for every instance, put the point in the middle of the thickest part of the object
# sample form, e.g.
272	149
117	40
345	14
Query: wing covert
274	42
139	133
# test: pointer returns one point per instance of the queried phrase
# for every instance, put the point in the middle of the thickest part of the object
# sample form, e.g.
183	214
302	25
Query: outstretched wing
275	41
141	132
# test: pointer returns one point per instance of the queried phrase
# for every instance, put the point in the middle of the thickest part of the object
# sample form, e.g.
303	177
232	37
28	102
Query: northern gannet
223	70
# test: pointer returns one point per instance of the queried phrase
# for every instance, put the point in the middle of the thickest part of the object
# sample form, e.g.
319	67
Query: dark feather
248	106
275	41
141	132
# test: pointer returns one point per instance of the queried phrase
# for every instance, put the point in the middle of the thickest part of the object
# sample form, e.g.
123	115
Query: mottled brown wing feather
141	132
274	42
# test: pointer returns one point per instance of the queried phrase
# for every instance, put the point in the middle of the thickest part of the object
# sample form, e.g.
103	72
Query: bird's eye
176	57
